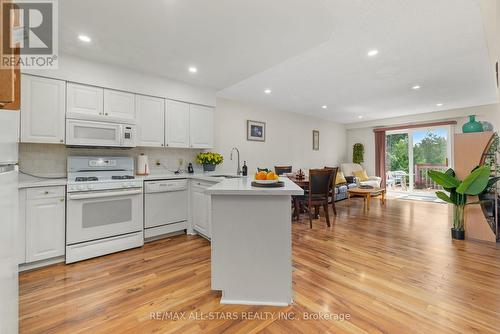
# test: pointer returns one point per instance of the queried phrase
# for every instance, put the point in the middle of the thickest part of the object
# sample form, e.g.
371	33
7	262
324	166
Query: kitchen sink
227	176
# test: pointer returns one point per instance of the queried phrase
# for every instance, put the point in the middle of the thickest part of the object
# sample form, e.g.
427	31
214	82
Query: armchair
349	168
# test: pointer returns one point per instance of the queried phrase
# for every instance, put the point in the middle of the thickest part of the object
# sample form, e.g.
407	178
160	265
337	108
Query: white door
150	121
119	106
85	102
45	228
201	121
201	209
177	124
42	110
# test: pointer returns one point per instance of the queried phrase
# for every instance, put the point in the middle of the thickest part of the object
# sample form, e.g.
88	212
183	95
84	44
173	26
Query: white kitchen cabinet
177	124
85	102
150	112
201	208
119	106
201	126
45	223
42	110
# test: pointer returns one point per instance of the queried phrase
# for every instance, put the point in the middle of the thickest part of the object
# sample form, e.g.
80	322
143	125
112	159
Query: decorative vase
487	126
208	167
472	125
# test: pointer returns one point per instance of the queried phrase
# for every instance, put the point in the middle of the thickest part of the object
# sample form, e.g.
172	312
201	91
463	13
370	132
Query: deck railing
422	179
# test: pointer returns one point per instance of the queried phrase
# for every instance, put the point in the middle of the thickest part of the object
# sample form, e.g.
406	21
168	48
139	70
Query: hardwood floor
392	270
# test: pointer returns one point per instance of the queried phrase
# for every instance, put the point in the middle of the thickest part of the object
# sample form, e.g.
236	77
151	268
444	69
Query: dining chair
320	181
280	170
334	171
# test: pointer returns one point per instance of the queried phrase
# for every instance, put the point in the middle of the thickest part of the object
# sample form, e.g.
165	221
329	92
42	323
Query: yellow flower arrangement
209	158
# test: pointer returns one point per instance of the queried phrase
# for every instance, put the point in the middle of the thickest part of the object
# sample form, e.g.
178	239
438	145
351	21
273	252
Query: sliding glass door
412	153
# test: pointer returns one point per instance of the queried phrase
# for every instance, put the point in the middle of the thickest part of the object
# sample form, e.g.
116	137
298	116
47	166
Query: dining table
302	182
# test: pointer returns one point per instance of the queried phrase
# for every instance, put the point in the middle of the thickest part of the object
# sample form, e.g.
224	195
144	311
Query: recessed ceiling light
416	87
193	69
372	53
267	91
439	105
84	38
360	117
324	107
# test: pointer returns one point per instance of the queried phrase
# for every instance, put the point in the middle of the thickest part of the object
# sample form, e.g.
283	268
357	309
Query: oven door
85	133
101	214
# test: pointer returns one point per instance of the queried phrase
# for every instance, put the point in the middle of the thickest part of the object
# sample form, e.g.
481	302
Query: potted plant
474	184
358	151
209	160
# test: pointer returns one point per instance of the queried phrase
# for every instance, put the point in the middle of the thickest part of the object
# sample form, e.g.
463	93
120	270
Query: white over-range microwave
89	133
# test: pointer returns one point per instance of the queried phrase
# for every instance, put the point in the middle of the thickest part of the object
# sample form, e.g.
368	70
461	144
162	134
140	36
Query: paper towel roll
142	165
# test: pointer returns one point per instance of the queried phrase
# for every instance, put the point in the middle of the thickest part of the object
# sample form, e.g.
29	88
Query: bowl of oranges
263	177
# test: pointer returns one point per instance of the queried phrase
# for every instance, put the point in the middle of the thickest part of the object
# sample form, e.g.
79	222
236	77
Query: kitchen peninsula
251	242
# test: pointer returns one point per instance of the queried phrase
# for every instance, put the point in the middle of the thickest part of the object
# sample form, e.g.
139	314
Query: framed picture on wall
315	140
256	131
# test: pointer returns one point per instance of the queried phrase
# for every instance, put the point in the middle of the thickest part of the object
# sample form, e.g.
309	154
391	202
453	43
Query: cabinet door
150	121
45	228
85	102
199	210
201	124
42	110
119	106
177	124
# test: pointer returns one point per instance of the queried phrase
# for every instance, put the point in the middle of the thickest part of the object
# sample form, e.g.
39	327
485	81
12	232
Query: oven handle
105	194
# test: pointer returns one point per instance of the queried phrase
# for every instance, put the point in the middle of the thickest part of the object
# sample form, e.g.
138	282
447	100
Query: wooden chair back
320	182
280	170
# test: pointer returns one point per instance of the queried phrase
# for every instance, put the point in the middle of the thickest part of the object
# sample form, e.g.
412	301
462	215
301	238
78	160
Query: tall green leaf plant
472	185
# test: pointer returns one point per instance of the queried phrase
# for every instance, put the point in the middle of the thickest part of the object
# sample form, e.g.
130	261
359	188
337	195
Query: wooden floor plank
391	270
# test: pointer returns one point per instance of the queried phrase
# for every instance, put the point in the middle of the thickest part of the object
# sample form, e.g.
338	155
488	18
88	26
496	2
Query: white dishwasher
165	207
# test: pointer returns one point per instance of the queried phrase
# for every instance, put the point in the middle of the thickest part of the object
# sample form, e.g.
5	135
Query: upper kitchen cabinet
119	106
150	112
42	110
201	126
85	102
177	124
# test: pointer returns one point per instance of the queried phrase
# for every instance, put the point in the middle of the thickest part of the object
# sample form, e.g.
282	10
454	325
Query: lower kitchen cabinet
43	219
201	208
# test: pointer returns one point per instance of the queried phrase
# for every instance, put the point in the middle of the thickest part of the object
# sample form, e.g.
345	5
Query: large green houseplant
358	150
472	185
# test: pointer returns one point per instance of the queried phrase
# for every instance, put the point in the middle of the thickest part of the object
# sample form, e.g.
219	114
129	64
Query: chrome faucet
238	171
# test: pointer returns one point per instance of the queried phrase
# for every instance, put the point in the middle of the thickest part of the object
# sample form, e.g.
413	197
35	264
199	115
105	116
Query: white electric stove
104	207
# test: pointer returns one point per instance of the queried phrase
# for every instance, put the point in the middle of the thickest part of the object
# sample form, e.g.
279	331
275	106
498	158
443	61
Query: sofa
341	188
349	168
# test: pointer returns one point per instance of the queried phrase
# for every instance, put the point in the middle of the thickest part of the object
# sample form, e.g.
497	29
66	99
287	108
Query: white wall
108	76
288	138
363	132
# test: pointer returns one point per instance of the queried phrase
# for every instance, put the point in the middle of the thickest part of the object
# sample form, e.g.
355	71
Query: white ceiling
308	52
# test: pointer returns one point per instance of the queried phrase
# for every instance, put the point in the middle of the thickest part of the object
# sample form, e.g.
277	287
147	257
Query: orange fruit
271	176
261	176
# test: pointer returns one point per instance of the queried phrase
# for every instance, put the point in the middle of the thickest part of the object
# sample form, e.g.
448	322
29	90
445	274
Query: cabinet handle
46	192
106	114
61	200
62	140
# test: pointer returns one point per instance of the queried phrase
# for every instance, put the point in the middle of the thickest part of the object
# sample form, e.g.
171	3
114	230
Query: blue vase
472	125
208	167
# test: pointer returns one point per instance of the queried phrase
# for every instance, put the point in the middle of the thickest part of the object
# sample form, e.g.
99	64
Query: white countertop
26	181
243	186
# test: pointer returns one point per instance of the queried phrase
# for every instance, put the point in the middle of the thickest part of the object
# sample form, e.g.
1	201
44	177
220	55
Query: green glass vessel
472	125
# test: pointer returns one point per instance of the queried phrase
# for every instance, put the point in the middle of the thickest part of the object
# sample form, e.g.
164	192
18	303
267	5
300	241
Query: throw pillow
361	175
340	178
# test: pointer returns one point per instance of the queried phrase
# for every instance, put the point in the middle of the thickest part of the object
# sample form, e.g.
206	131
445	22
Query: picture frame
315	140
256	131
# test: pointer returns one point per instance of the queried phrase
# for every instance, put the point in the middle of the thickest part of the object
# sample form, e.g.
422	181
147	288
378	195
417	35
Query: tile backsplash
50	160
